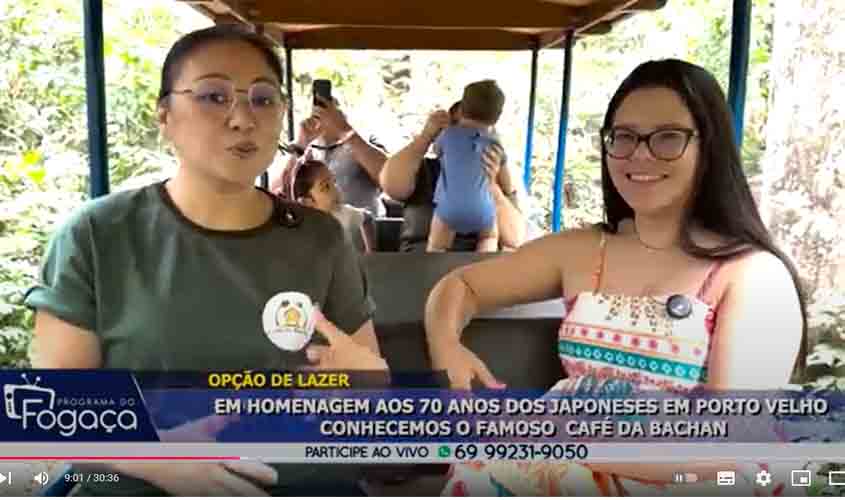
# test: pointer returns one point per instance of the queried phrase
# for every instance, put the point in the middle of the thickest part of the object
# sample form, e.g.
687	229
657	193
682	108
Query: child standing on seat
462	200
311	183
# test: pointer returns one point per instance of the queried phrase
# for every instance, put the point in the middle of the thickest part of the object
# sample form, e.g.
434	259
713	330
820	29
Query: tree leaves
43	137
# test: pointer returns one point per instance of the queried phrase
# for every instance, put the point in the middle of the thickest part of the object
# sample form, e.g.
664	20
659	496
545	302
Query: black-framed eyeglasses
666	144
219	96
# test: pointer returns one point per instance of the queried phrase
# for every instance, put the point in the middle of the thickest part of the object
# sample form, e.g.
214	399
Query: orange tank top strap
598	271
707	284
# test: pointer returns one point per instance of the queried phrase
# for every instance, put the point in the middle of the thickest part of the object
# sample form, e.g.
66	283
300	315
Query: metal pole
561	133
289	84
95	94
740	37
265	177
529	138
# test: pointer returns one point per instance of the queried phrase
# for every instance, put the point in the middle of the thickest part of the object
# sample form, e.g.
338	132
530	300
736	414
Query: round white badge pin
288	320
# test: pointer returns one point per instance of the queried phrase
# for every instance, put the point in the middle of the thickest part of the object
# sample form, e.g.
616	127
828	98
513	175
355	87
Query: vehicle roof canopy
424	24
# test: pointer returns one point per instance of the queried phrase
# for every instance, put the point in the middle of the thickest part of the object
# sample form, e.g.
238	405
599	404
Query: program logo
36	406
20	396
288	320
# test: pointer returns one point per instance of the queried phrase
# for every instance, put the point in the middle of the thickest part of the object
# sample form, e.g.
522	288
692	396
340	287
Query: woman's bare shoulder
570	248
753	273
571	240
756	264
752	262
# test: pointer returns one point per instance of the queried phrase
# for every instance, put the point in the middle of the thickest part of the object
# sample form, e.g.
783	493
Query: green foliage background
43	132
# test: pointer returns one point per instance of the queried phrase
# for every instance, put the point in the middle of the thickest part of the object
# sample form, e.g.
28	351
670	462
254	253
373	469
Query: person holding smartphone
355	163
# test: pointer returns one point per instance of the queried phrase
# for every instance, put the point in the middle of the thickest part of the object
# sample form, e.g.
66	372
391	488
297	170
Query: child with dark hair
463	202
311	183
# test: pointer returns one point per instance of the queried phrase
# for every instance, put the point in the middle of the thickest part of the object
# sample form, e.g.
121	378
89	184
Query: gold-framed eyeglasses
666	144
219	95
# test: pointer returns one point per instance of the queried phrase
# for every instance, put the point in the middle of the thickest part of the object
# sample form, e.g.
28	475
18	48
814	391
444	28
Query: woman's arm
347	303
333	122
358	351
534	272
366	337
399	176
58	344
508	217
368	156
531	274
760	307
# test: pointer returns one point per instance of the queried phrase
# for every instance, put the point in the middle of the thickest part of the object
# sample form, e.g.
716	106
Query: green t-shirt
162	293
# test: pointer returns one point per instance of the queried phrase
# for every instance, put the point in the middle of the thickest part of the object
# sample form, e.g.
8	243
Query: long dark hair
721	200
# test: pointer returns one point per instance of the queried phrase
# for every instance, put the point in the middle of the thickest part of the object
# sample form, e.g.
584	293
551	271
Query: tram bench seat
518	344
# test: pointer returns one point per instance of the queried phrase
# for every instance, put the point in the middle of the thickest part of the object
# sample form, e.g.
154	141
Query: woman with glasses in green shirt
178	275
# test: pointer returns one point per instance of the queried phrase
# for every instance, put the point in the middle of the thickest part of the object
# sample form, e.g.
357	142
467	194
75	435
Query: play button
5	478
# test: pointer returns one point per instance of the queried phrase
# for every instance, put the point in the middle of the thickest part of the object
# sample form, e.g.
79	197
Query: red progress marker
118	458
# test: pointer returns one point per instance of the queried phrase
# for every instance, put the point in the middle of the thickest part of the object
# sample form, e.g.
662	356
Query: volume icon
41	478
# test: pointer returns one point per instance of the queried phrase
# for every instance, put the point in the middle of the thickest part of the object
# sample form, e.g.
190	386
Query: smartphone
322	88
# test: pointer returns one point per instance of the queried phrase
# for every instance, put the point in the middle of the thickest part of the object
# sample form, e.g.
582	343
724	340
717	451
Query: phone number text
521	451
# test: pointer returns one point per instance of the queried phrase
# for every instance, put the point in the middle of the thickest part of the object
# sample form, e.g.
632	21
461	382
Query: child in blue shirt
462	199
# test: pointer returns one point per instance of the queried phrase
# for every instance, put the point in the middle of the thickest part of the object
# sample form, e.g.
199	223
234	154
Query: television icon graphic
16	395
726	478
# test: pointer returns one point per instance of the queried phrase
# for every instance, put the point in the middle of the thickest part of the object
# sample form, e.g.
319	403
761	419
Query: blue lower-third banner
284	407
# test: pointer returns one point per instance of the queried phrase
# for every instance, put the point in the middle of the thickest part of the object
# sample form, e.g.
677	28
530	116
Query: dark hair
194	40
453	109
483	101
721	200
299	179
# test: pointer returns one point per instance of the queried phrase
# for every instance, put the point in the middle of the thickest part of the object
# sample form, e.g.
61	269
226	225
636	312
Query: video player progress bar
444	452
119	458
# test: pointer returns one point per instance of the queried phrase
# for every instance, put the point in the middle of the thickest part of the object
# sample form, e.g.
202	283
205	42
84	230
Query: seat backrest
388	230
392	208
518	344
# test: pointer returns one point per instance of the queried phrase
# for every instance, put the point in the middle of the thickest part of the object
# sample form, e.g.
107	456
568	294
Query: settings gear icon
764	478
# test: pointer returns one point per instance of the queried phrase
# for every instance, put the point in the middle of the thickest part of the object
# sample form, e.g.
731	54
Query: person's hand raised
309	129
493	158
437	121
332	120
342	353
